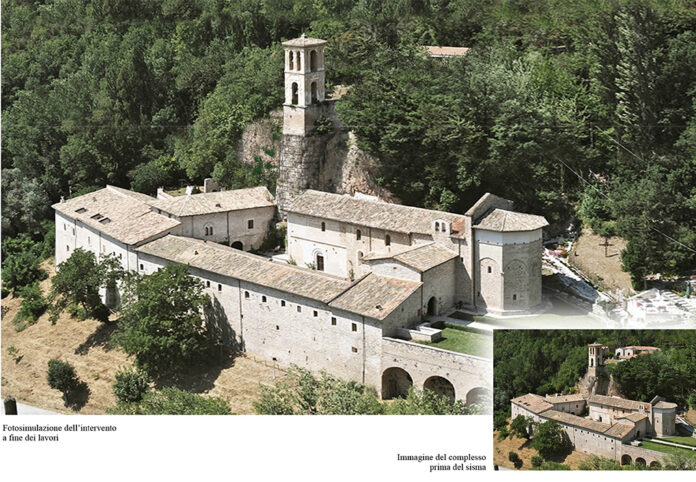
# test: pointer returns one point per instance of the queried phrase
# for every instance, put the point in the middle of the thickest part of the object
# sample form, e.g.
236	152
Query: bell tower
595	359
302	153
305	84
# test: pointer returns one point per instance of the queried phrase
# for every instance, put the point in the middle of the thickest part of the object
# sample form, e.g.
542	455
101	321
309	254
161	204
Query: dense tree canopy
552	96
552	361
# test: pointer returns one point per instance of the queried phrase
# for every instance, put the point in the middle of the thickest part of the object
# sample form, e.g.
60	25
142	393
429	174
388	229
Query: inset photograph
594	400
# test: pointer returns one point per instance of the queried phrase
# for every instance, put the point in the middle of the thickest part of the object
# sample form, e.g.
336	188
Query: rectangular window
354	327
355	350
320	263
219	287
263	299
65	227
207	283
282	302
141	268
67	248
299	309
250	224
246	294
316	313
333	321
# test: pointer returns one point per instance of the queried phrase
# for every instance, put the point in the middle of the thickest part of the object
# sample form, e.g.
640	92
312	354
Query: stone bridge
640	456
459	376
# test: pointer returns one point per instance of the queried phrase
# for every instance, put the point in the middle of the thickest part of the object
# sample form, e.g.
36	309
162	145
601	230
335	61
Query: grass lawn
465	340
679	440
668	449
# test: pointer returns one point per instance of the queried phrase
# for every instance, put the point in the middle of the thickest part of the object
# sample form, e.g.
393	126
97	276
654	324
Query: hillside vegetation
552	361
553	95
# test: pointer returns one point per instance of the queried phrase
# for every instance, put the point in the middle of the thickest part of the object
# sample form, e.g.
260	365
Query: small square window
299	309
219	287
263	299
282	302
250	224
246	294
354	350
316	313
354	327
333	321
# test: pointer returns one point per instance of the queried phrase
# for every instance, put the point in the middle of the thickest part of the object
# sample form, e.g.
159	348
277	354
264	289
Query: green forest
552	361
582	110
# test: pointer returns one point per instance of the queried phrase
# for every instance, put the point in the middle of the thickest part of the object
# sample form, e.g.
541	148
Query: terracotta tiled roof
426	257
438	51
362	296
509	221
646	348
633	417
575	397
370	213
420	257
304	42
665	405
618	430
215	202
375	296
575	421
615	402
118	213
533	403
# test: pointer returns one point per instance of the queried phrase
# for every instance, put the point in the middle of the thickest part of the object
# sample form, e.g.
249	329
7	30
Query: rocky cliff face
342	167
263	139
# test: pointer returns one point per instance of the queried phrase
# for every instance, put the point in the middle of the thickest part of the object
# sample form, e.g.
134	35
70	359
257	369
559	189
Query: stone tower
595	360
301	154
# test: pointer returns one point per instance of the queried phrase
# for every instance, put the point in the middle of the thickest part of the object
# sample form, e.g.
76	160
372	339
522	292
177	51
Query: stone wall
470	376
231	226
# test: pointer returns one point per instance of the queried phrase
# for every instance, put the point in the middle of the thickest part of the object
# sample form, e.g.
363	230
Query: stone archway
626	459
395	383
441	386
478	395
640	461
238	245
655	463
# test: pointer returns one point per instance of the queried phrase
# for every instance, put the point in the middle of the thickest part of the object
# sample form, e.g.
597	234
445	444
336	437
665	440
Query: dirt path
588	256
85	344
501	450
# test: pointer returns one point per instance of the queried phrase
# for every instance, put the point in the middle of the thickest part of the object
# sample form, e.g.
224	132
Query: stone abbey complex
599	424
362	277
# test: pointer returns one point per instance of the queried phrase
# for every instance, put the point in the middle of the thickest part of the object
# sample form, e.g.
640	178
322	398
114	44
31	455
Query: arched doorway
441	386
478	395
432	306
395	383
238	245
655	463
640	461
625	459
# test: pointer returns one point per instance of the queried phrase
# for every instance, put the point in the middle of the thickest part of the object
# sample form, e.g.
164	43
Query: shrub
172	401
515	459
503	434
33	305
130	385
61	375
537	460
